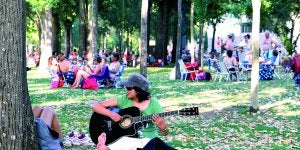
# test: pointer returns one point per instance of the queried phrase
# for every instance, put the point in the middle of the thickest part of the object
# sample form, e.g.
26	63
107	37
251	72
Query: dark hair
116	55
207	76
97	58
247	36
229	53
275	53
141	94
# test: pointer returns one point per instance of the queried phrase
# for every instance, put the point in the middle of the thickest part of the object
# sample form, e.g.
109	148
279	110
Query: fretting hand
160	123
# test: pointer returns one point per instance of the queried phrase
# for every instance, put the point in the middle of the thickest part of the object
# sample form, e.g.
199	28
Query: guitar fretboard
149	117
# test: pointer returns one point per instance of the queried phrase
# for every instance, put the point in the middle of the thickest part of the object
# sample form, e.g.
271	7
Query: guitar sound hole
126	123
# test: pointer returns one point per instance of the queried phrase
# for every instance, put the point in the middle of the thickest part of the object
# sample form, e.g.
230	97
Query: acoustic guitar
130	123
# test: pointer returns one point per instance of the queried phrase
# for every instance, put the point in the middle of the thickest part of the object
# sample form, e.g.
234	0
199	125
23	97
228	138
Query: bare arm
161	124
101	108
275	43
97	70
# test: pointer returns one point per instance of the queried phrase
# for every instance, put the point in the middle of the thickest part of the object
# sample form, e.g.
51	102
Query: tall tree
162	30
94	26
201	7
192	49
69	12
179	33
56	30
16	117
255	65
144	40
46	37
215	12
82	25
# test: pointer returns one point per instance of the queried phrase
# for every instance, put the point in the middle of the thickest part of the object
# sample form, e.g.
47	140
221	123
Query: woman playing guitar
137	95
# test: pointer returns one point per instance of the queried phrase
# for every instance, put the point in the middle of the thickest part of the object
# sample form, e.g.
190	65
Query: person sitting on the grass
296	67
114	65
137	95
230	61
64	65
272	58
47	128
85	74
53	66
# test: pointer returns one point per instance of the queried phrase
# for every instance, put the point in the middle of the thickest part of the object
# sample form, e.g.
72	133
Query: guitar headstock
189	111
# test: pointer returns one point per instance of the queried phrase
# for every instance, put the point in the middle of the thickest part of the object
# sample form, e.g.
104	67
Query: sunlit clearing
274	91
290	113
60	103
280	103
163	87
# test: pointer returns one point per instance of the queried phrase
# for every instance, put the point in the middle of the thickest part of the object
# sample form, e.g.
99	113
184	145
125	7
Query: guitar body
114	130
130	123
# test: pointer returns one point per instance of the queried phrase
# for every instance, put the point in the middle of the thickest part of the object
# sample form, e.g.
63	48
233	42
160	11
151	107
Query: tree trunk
82	26
174	41
56	33
16	117
292	33
213	38
104	41
200	51
46	42
183	25
127	42
67	41
192	47
178	44
255	66
295	42
162	30
94	26
148	22
38	24
144	40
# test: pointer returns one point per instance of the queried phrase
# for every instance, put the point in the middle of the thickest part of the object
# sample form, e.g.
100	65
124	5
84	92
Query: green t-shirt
150	131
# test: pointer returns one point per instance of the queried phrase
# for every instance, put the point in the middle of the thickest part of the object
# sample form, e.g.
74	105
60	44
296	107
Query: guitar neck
149	117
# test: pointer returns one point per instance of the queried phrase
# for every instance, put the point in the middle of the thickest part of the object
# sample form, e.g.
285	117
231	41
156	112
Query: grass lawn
223	123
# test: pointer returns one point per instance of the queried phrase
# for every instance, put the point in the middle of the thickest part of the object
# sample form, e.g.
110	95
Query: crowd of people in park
78	70
237	52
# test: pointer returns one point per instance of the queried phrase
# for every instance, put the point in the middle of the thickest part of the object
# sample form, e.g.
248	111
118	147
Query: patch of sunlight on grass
289	113
280	103
274	91
282	107
35	75
163	87
41	91
65	102
223	104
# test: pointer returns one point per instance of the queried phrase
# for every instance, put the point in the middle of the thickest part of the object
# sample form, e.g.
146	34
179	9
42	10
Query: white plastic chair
183	71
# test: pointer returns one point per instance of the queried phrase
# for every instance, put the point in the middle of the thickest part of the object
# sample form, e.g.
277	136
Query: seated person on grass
230	63
273	58
114	65
85	74
64	64
296	67
137	95
53	66
47	128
